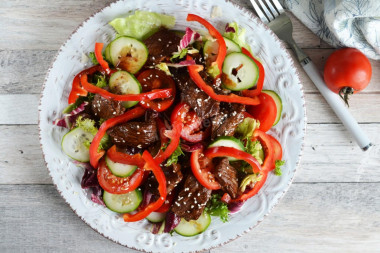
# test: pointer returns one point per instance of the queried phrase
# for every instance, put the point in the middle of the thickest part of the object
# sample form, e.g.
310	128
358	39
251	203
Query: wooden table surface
333	204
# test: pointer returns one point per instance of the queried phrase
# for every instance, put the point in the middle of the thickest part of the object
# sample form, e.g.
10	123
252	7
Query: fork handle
337	105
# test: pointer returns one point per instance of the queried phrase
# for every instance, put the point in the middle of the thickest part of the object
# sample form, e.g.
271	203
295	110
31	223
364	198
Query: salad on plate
170	126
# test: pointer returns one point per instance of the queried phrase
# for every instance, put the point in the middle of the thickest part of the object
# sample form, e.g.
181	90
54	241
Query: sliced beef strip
173	177
106	108
191	200
134	134
199	101
226	175
227	121
161	46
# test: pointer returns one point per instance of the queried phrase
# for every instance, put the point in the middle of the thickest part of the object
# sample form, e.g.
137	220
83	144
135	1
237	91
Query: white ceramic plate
281	76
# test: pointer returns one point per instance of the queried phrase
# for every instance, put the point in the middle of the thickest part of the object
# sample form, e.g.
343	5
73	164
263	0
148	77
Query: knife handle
337	105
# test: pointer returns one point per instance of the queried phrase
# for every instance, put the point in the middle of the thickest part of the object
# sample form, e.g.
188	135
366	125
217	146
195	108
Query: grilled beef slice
161	46
226	175
199	101
191	200
225	123
134	134
173	177
106	108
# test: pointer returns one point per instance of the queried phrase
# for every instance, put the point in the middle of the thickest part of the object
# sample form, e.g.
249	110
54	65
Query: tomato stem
345	92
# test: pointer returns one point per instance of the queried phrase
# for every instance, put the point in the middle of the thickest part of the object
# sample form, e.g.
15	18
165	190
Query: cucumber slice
228	141
239	72
107	53
210	51
73	144
232	46
278	101
128	54
123	203
193	227
122	82
156	217
120	169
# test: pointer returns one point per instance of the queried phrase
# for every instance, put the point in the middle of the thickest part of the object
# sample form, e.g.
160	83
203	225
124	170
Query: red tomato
118	185
265	112
156	79
347	71
201	167
277	150
191	128
191	124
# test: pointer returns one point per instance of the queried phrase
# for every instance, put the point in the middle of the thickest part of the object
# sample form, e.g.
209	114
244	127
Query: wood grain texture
327	148
333	217
318	218
19	108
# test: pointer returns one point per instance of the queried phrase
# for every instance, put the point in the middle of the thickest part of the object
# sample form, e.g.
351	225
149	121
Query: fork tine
278	6
265	9
259	12
272	9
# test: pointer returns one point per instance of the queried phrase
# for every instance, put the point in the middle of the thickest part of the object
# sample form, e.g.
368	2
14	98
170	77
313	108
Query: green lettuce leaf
277	169
255	149
93	58
238	36
142	24
88	125
246	128
216	207
173	159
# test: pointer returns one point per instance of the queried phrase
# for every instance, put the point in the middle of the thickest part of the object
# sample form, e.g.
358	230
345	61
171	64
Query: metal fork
272	14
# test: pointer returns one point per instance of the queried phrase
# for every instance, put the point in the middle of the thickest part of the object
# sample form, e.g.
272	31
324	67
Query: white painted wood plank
364	107
329	156
37	219
310	218
22	163
19	109
318	218
24	71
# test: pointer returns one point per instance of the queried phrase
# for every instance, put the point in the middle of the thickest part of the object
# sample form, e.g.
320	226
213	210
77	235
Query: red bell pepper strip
201	166
152	165
231	98
77	89
233	152
124	158
168	202
159	93
99	58
164	140
222	51
266	143
174	135
94	154
267	166
260	81
256	188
